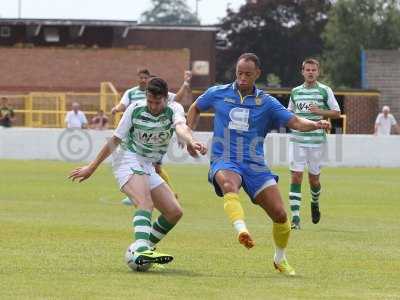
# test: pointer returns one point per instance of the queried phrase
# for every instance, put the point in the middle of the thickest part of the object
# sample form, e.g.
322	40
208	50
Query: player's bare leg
171	212
160	170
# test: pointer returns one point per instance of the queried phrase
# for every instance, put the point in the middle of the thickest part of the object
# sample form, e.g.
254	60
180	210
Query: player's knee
314	181
279	216
144	203
297	177
229	187
175	214
178	213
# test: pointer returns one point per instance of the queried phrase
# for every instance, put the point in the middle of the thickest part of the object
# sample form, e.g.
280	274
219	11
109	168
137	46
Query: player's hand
192	151
194	148
114	111
315	109
187	77
323	124
81	173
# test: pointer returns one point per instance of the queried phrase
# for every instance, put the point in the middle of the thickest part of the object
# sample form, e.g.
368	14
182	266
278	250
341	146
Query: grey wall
382	72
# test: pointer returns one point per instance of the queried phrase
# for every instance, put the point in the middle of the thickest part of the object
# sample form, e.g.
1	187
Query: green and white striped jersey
148	135
300	99
135	94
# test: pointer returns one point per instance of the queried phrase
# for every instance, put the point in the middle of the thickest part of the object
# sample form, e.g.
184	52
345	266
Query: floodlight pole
19	8
197	8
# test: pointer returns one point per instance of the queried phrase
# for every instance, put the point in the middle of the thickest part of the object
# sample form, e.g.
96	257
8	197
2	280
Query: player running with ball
143	134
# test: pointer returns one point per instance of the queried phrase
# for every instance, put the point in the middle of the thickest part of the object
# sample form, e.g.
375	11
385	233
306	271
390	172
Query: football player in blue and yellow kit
243	117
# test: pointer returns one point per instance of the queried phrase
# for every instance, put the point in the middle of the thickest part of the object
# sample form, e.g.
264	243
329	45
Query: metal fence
48	109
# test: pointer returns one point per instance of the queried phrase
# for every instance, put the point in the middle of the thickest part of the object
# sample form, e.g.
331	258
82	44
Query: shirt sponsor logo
304	106
153	138
239	119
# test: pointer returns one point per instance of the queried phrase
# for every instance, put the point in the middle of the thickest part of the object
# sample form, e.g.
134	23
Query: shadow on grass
227	275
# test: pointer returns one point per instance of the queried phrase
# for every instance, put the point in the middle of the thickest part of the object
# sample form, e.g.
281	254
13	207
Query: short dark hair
311	61
157	87
250	57
143	71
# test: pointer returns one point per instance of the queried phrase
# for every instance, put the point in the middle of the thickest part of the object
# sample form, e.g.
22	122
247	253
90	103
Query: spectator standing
385	121
6	113
76	118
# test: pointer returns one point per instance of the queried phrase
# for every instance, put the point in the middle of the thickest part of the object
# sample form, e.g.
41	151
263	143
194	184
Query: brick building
64	55
76	55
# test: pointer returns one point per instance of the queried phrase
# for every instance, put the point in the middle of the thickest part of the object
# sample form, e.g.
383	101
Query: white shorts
126	163
300	156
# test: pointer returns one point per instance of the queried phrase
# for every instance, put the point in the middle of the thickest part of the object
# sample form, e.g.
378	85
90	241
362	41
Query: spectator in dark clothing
100	121
6	113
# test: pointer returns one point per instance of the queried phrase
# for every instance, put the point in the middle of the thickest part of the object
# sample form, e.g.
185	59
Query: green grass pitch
60	240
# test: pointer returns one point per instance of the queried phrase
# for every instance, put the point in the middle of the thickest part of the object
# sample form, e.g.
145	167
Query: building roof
67	22
109	23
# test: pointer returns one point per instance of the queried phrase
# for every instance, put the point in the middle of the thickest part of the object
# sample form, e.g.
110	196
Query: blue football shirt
241	124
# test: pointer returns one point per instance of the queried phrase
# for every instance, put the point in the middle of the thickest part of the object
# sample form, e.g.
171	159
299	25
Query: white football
130	258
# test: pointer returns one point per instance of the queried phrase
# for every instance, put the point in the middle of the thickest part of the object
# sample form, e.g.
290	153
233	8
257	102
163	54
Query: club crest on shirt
258	100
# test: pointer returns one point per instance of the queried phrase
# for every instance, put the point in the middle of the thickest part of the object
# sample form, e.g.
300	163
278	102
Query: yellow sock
164	175
233	208
281	234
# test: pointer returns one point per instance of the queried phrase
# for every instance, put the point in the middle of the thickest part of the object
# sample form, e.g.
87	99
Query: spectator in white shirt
385	121
76	118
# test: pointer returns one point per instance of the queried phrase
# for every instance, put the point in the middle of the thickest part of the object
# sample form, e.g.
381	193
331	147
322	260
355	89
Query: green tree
169	12
281	32
355	25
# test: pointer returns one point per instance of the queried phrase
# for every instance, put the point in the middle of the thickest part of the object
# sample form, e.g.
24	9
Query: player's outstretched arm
185	87
120	107
302	124
193	116
184	133
83	173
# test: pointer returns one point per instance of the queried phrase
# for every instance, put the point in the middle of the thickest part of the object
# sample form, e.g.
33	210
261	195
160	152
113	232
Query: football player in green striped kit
144	134
314	101
138	93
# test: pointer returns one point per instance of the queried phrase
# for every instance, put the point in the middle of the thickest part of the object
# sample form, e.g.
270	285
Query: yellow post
62	110
344	117
39	121
28	109
103	96
109	92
